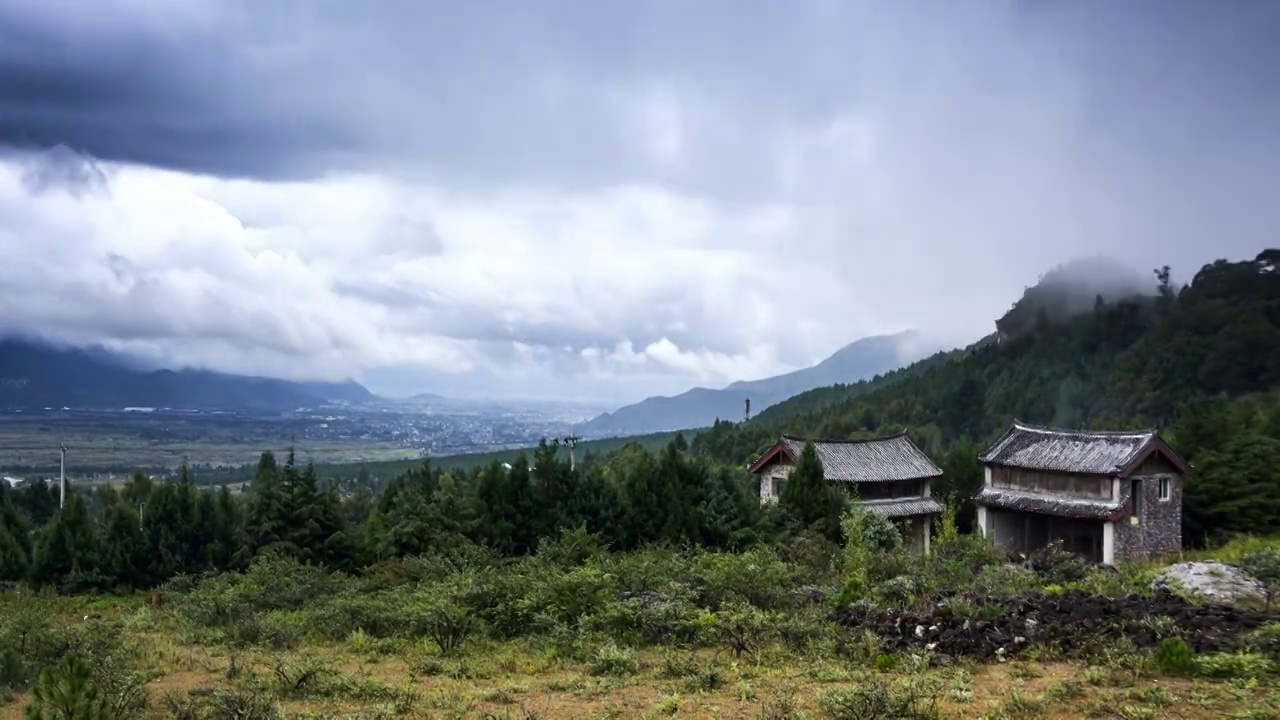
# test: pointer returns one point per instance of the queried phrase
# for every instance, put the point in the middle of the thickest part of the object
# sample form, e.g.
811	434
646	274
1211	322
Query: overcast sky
606	199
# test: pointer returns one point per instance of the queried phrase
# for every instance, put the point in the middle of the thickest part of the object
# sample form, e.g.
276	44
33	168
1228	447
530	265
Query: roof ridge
1021	425
832	441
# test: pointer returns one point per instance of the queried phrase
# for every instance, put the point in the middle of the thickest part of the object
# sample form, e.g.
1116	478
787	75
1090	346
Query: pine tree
642	489
15	542
809	498
226	530
729	513
682	483
67	546
123	553
265	526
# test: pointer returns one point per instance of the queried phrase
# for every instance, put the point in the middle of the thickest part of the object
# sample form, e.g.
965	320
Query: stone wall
776	471
1072	623
1159	527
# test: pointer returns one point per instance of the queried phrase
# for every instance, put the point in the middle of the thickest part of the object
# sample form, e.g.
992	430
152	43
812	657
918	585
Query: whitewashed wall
777	471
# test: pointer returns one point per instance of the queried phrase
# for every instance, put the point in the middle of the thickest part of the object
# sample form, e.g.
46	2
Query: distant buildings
891	476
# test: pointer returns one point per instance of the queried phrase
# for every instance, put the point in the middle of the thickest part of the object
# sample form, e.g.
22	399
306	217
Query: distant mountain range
700	407
35	375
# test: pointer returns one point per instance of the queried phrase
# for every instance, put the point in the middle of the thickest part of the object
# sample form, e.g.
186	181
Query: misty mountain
700	407
1071	289
36	375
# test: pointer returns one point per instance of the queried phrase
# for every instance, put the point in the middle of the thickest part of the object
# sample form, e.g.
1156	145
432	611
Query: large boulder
1213	581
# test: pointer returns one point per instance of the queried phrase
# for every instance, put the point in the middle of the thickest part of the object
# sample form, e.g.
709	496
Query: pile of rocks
1071	622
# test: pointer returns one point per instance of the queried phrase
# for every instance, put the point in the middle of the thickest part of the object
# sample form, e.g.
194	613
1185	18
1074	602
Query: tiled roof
892	457
1077	451
904	507
1051	505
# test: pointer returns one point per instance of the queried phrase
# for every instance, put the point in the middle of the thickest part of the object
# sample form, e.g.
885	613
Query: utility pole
572	442
62	475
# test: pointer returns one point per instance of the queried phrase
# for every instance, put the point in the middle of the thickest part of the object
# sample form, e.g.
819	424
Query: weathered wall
768	480
1159	527
1008	529
1051	483
890	490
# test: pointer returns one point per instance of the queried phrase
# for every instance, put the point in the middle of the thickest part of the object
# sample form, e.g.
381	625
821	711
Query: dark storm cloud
516	91
927	161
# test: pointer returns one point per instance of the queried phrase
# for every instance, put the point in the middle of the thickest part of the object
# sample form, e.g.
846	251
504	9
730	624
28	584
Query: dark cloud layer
504	89
650	186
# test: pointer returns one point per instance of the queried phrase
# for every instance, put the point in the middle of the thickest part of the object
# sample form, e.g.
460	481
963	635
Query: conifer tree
504	506
642	490
809	498
123	557
266	522
67	545
15	542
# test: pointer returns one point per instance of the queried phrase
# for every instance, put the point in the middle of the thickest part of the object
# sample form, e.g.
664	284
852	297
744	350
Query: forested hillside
1199	363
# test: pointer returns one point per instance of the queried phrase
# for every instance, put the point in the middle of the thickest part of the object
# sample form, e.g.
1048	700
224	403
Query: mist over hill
36	374
1072	288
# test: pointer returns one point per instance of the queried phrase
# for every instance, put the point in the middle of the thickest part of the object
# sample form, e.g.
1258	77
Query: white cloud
301	279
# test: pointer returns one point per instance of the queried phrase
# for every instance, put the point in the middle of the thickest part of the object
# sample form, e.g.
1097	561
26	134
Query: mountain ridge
36	374
701	406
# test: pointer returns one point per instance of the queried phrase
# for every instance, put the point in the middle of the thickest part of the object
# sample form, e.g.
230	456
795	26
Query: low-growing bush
438	613
875	698
742	627
1174	656
1233	666
610	659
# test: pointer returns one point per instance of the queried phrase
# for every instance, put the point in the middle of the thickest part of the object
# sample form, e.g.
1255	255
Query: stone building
890	476
1109	496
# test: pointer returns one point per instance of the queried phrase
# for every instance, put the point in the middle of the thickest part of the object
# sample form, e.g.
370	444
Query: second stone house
1109	496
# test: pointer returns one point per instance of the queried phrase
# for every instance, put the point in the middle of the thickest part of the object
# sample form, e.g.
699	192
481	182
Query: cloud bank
569	198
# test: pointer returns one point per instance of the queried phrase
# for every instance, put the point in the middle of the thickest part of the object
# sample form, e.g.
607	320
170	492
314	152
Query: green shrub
1233	666
663	617
886	662
1175	657
757	577
742	627
437	613
572	548
875	698
610	659
1264	565
1004	580
564	598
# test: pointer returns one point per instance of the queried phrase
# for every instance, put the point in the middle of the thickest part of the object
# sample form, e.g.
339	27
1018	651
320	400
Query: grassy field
364	677
571	635
120	442
220	449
